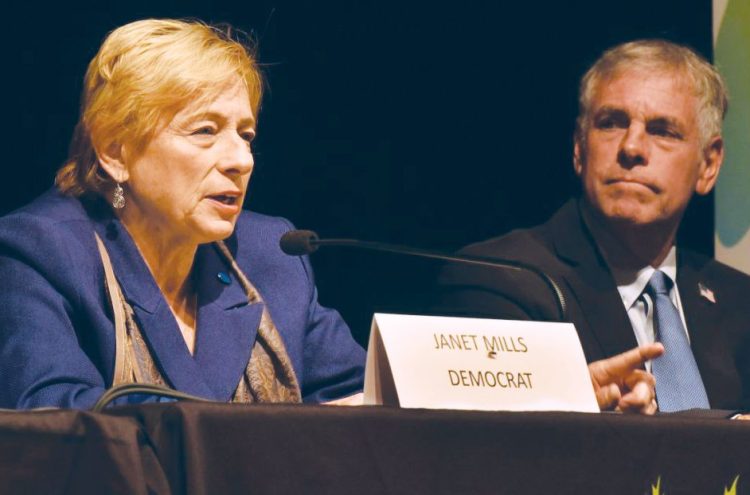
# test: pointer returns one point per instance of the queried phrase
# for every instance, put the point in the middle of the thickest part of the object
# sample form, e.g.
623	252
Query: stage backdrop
433	124
732	55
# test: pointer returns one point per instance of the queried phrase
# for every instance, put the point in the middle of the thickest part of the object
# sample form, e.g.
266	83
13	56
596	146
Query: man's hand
620	384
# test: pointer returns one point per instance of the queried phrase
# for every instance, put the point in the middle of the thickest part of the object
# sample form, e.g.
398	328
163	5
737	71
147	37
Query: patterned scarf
268	377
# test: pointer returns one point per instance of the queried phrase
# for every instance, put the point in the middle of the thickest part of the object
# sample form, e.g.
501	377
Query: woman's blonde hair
143	74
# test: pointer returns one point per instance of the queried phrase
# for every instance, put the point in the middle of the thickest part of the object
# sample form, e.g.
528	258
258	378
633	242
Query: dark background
433	124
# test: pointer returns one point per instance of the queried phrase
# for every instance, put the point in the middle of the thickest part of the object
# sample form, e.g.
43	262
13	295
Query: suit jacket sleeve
332	362
45	358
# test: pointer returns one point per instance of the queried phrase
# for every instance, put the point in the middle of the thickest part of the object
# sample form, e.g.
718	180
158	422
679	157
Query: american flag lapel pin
706	293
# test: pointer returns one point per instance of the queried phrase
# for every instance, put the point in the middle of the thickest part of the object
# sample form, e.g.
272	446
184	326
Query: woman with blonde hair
140	264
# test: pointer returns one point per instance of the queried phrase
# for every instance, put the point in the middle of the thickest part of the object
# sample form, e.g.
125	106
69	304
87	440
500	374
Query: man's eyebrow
664	120
660	120
610	110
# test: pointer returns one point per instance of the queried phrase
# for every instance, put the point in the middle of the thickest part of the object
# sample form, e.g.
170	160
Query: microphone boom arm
314	242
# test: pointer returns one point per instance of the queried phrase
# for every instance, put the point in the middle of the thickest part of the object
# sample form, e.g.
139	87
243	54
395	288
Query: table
205	448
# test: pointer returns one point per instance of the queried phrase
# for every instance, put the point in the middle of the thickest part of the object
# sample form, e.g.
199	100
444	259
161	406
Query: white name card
438	362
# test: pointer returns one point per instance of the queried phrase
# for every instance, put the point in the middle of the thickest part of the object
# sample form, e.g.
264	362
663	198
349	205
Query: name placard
441	362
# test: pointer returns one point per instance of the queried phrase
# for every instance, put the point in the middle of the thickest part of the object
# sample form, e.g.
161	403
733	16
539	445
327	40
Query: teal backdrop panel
732	56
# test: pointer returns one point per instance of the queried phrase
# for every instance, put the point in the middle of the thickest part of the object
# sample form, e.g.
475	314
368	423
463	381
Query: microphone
300	242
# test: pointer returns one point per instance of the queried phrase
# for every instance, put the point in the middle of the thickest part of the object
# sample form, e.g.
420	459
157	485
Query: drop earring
118	197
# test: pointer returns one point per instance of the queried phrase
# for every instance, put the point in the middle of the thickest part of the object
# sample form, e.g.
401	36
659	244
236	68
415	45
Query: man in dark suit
648	137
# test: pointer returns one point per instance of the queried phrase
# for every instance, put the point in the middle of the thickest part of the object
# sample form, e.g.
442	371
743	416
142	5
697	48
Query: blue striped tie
678	381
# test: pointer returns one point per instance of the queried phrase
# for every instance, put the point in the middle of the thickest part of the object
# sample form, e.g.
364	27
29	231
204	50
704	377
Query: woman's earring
118	198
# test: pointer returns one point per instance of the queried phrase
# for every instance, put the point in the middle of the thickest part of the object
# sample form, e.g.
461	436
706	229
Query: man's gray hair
655	55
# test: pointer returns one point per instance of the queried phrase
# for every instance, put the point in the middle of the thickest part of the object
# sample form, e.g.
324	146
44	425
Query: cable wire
115	393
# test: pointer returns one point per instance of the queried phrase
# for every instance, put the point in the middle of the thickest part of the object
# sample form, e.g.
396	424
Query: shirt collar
630	283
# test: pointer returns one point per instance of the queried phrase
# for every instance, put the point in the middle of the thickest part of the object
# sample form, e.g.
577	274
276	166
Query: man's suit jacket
564	249
56	326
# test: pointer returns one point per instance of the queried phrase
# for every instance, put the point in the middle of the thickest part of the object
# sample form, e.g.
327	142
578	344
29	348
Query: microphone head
298	242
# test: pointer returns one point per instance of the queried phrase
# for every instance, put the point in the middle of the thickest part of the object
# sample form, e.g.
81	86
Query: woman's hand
352	400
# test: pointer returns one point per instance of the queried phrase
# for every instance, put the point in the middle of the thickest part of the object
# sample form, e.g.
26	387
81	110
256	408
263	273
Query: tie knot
659	283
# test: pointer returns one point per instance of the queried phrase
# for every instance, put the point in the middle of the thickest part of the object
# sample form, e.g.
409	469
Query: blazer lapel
227	324
156	321
170	353
598	311
703	317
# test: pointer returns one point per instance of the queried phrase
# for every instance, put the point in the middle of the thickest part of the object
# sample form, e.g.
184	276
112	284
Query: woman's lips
228	203
224	198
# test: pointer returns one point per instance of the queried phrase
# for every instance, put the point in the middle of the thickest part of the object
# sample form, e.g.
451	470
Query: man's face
644	155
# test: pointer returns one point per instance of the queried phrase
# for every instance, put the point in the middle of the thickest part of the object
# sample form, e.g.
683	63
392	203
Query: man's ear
579	159
713	157
112	159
